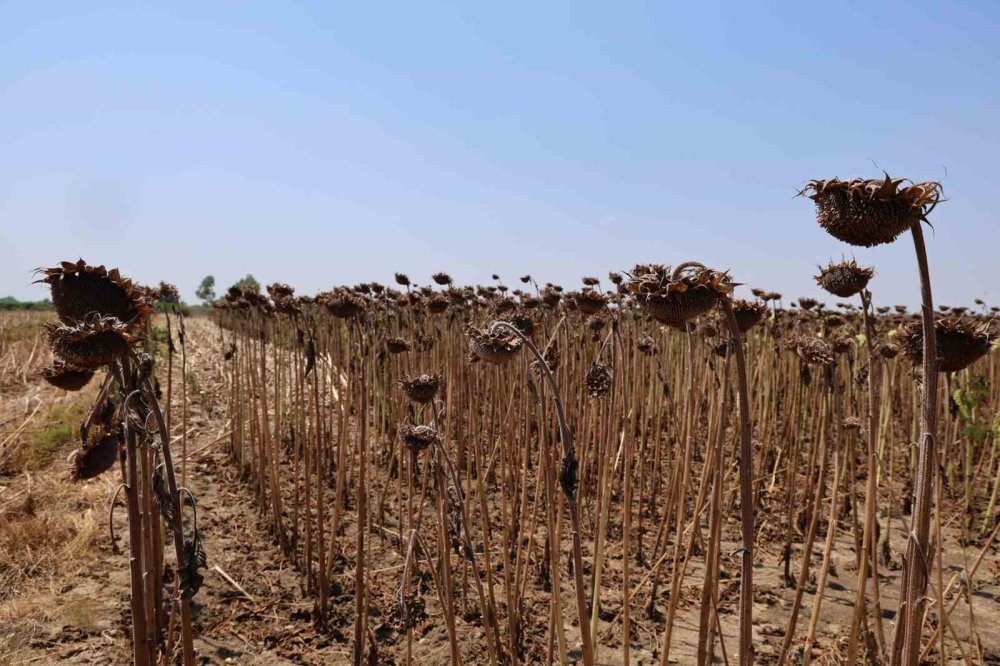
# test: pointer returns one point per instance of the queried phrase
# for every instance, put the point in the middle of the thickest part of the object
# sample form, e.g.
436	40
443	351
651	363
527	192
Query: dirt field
63	592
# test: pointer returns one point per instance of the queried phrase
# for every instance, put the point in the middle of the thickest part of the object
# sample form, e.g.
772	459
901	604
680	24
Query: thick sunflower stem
746	491
859	618
912	601
176	527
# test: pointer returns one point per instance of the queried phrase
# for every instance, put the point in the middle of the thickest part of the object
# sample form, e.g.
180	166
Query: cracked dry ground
68	599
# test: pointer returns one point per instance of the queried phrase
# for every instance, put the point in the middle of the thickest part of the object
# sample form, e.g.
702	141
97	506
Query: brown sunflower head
521	320
344	303
437	304
841	345
812	351
844	279
66	376
96	457
502	304
674	297
960	342
167	293
442	279
598	380
79	290
551	355
92	343
416	438
888	351
590	301
869	212
397	345
493	344
748	313
551	296
402	280
647	346
807	303
421	389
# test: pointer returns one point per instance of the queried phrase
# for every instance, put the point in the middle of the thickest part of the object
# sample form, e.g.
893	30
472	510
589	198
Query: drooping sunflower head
551	296
673	297
493	344
812	350
421	389
551	355
96	457
807	303
844	279
442	279
66	376
646	345
748	313
598	380
870	211
520	320
591	301
960	342
80	290
397	345
344	303
92	343
416	438
437	304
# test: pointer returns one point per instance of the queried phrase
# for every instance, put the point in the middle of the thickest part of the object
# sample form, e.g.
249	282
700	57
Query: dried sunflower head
521	320
416	438
807	303
422	388
80	290
647	346
844	279
591	302
551	355
442	279
167	293
812	351
960	342
841	345
748	313
504	304
344	303
551	297
494	344
397	345
869	212
674	297
598	380
437	304
66	376
92	343
96	457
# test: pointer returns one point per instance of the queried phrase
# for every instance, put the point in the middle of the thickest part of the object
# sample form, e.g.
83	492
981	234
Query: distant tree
8	303
206	290
249	282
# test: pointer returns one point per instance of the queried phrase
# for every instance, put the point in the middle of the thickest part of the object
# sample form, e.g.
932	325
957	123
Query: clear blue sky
325	143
